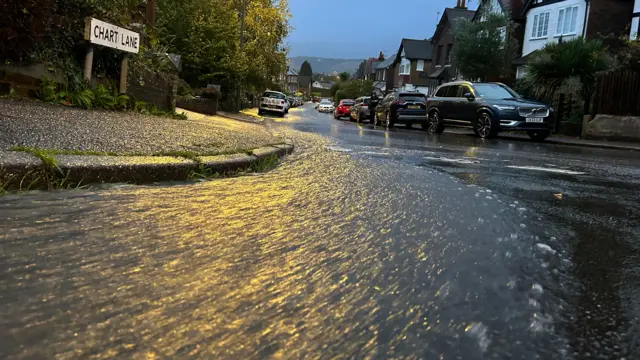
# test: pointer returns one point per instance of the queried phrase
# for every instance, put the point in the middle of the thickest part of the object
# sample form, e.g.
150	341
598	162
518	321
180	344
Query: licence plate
535	120
414	107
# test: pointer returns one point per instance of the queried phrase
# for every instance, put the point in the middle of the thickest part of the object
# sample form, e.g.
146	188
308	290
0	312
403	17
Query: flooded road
364	243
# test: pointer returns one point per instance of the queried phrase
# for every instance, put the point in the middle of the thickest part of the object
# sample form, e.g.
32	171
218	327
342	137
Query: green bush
103	98
81	98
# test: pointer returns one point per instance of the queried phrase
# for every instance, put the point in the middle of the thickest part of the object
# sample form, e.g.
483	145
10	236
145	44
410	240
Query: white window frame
561	27
420	65
405	66
540	29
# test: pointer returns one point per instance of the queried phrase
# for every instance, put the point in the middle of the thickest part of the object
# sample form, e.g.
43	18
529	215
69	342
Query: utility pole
243	10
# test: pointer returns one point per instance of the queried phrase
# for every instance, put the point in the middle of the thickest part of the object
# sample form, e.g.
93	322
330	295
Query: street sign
105	34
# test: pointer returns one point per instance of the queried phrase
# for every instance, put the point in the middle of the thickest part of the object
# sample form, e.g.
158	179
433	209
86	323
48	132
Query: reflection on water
326	256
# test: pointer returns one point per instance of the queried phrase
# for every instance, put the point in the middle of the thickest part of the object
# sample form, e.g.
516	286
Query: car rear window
273	95
348	102
365	101
413	97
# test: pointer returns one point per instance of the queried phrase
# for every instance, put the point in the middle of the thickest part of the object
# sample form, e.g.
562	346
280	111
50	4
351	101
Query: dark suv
402	108
488	108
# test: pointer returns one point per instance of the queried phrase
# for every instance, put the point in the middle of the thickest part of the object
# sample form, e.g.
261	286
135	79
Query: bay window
540	25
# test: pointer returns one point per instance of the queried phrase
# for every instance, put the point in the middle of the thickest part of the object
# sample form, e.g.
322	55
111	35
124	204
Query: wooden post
124	66
88	63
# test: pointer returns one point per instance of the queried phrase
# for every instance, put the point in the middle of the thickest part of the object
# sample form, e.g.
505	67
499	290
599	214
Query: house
551	20
510	8
412	65
292	81
370	67
384	78
322	84
442	43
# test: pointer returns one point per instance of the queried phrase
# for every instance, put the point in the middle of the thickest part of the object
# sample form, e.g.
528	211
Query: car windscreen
325	102
413	97
494	91
273	95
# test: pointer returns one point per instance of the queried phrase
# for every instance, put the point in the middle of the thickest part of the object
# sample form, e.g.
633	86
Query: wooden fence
199	105
617	93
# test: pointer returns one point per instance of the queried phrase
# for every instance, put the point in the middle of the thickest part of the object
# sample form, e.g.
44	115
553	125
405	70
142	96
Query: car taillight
281	101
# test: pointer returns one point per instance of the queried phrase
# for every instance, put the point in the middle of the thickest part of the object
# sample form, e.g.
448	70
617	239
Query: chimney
462	4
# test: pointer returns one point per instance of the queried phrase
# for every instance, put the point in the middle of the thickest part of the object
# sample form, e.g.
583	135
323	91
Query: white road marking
374	153
340	149
554	170
458	161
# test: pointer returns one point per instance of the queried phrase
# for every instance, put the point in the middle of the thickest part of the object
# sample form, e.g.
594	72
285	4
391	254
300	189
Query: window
453	91
494	91
412	97
420	66
567	21
464	89
449	48
384	75
442	92
405	67
540	25
521	71
439	55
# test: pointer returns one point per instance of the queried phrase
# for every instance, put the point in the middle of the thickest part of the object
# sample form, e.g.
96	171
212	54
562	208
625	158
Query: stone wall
610	127
152	89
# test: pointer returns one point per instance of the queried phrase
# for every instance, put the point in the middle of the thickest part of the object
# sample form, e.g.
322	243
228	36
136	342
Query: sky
354	29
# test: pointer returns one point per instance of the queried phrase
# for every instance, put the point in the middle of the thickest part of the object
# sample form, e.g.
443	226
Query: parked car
488	108
402	107
273	101
325	106
342	109
360	111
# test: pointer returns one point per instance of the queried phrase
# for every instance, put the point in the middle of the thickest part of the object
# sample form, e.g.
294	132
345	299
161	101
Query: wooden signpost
101	33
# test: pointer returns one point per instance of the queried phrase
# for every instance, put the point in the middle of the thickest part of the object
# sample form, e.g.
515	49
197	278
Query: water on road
365	243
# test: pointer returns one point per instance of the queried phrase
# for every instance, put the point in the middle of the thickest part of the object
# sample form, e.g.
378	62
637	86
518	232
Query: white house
551	20
548	21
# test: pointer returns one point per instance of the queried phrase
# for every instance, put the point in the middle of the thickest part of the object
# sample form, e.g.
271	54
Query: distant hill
325	65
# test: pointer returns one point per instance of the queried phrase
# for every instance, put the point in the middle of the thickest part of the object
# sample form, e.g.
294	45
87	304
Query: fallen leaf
558	196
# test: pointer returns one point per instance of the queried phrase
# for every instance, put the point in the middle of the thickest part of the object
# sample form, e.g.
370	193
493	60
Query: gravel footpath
46	126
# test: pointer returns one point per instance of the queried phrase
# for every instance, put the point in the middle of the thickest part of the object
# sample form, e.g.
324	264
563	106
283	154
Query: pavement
104	146
364	243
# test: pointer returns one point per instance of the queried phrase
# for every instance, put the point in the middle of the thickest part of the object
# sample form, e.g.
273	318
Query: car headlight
502	108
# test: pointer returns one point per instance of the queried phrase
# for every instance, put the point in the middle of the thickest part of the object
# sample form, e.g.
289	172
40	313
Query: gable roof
514	7
453	16
416	49
388	62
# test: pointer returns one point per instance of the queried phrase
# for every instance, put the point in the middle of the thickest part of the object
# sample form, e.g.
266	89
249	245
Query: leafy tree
484	49
567	67
305	69
334	88
344	76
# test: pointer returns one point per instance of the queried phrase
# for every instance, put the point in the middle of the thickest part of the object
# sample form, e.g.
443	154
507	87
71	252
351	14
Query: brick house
412	65
444	68
551	20
385	75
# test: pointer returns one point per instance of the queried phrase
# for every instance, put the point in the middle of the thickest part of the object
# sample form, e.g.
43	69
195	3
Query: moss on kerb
66	173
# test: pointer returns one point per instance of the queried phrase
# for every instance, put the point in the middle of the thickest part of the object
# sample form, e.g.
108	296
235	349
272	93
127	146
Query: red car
342	109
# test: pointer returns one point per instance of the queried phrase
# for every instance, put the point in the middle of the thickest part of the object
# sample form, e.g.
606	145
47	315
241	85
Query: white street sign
105	34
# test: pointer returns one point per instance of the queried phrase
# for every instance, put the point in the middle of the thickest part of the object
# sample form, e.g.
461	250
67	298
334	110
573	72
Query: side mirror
469	96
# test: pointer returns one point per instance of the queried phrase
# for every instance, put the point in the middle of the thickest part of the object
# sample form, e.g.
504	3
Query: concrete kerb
88	169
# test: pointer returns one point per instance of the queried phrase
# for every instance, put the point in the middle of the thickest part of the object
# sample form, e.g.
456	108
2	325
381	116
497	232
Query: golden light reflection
472	152
387	139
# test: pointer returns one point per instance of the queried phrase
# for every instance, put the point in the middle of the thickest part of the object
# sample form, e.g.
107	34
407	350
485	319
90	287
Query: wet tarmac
365	243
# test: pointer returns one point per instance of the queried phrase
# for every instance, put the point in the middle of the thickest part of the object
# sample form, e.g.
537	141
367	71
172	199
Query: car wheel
486	127
434	123
539	135
408	125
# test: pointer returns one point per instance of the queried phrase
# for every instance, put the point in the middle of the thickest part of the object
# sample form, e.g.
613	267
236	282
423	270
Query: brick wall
202	106
609	17
152	89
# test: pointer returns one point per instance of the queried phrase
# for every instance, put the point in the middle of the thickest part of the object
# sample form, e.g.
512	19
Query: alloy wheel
434	121
484	126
